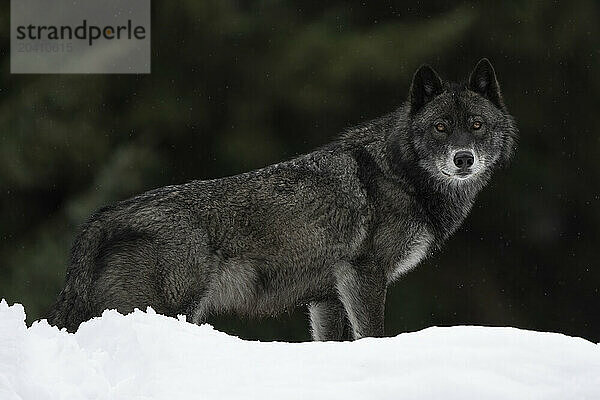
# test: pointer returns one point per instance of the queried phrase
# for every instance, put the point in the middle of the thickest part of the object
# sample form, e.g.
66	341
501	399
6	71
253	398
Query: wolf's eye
440	127
476	125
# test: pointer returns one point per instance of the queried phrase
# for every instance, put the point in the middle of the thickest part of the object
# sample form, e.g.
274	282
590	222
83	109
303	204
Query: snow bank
148	356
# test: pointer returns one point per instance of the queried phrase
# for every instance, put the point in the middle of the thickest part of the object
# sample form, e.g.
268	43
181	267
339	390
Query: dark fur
331	228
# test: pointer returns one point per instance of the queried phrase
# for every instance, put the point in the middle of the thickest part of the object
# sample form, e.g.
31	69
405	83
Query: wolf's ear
426	84
483	81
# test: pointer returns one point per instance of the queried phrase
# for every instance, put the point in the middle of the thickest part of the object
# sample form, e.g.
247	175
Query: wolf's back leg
328	320
127	277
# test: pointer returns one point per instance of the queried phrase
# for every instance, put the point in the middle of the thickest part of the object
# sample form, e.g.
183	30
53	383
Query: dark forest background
239	85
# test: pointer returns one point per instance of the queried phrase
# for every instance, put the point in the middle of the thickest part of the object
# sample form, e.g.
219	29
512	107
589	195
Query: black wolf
330	229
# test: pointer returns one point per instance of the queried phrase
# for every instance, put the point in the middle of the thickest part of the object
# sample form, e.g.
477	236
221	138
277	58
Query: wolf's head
456	133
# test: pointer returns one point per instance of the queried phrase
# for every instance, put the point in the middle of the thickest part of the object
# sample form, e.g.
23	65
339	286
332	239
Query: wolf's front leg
362	292
328	320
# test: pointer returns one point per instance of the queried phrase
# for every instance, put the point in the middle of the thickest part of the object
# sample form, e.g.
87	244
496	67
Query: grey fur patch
415	251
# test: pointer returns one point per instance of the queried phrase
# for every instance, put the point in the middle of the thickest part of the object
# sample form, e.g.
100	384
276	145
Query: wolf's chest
414	249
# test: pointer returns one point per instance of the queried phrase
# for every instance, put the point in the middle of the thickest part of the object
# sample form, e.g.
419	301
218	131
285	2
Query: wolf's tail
73	306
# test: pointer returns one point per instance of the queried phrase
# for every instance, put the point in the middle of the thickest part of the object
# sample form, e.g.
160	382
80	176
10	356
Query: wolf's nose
464	159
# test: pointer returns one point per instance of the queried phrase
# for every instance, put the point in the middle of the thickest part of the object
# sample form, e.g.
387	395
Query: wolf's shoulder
326	170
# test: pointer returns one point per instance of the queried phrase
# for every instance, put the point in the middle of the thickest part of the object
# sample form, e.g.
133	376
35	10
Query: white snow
148	356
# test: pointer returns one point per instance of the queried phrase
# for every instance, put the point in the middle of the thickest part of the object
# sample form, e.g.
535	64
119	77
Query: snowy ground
148	356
